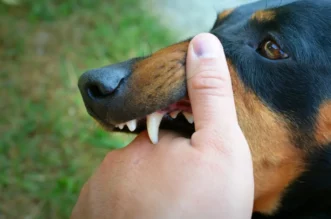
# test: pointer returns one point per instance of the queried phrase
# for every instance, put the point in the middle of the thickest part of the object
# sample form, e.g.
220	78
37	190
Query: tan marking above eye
225	14
264	16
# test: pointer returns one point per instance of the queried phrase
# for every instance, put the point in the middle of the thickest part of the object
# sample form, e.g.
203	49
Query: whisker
149	48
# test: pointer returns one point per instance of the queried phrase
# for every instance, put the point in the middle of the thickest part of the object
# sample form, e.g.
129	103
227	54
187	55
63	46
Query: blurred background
49	146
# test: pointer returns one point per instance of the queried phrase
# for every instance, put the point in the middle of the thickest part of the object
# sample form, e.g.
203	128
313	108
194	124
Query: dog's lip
93	114
176	117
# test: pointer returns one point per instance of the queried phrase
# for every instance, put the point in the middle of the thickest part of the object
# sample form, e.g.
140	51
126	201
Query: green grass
49	146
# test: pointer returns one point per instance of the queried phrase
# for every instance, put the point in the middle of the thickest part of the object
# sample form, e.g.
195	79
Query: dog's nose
102	88
98	84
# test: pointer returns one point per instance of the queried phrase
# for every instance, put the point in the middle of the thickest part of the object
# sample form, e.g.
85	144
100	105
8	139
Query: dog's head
279	56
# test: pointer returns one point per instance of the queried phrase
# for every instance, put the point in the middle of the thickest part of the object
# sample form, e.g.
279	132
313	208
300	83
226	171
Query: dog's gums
153	120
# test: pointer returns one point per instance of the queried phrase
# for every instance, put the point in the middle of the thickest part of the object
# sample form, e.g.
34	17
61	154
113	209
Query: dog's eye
271	50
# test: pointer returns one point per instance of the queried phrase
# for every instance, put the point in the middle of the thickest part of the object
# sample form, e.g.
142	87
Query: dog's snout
102	88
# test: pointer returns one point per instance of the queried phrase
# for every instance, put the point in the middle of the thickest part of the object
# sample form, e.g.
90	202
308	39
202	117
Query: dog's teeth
189	117
121	126
132	125
174	114
153	124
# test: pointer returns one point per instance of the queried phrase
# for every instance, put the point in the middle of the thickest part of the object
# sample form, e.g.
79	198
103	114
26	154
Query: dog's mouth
176	117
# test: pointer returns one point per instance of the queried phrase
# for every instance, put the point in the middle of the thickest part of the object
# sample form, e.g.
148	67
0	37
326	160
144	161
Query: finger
209	84
209	87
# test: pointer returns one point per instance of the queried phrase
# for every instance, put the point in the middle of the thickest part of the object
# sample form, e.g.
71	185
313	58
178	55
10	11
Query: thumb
209	86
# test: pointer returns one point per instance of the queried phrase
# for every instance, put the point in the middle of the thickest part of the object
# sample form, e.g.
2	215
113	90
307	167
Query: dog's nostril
101	84
98	91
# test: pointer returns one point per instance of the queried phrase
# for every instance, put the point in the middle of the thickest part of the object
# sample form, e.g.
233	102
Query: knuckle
207	79
209	64
209	75
211	83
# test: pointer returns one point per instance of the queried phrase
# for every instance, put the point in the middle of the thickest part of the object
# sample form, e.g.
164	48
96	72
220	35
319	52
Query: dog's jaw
154	120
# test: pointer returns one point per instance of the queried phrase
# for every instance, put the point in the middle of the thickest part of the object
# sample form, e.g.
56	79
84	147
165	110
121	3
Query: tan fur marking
323	124
157	75
262	16
224	14
277	162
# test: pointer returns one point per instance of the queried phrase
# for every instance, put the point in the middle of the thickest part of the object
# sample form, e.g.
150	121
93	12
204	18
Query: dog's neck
310	193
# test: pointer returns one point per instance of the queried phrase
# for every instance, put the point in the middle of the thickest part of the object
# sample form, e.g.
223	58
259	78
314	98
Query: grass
49	146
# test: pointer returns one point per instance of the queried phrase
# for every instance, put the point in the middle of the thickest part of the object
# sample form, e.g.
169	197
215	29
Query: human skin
209	175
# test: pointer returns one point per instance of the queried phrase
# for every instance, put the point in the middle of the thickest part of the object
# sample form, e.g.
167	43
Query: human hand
207	176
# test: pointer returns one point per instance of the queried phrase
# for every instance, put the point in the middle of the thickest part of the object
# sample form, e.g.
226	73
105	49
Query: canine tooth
189	117
153	124
121	126
174	114
132	125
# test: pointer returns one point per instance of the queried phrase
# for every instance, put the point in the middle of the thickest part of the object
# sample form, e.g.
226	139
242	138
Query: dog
279	57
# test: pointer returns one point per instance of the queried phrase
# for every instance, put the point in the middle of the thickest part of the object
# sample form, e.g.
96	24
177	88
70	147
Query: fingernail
206	46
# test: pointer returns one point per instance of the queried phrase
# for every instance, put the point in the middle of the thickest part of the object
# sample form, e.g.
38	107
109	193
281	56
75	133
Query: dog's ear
323	124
